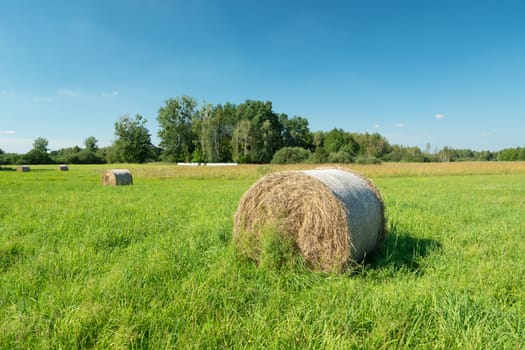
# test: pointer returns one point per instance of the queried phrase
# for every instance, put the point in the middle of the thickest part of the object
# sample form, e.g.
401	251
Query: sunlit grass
152	265
170	170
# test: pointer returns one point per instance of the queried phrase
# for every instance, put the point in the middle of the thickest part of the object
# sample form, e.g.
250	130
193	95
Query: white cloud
400	125
376	126
109	94
7	132
486	134
67	92
440	116
7	93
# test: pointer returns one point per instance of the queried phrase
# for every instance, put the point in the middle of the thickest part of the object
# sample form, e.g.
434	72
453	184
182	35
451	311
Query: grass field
152	265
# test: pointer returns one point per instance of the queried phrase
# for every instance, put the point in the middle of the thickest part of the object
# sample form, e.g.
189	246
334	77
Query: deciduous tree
91	144
265	129
40	144
176	132
133	143
243	141
296	132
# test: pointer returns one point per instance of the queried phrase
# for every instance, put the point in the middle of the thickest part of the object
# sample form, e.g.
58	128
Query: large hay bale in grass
22	168
333	216
63	167
117	177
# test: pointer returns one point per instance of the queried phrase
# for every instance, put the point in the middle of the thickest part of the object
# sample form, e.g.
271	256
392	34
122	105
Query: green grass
152	266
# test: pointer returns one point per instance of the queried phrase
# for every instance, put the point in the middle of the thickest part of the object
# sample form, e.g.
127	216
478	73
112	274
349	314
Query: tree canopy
133	143
176	120
91	144
40	144
250	132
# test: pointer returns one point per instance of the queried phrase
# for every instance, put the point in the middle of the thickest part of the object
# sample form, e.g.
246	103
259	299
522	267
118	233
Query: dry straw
23	168
334	216
117	177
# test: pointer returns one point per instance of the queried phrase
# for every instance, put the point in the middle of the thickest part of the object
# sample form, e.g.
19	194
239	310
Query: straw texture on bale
23	168
117	177
334	216
63	167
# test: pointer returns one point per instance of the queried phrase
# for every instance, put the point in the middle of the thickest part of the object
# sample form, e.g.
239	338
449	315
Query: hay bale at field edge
23	168
333	216
117	177
63	167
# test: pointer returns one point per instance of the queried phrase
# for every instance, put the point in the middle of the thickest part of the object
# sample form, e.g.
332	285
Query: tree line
250	132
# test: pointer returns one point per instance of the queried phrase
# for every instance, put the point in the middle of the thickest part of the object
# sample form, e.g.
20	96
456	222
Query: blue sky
450	73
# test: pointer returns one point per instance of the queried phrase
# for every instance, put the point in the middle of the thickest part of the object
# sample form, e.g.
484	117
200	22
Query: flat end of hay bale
117	177
23	168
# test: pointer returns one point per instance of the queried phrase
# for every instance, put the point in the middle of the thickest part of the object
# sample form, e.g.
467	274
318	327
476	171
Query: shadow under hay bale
117	177
335	217
404	251
63	167
23	168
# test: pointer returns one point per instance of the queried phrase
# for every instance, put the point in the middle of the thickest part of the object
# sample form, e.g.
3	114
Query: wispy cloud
67	92
487	134
42	99
109	94
440	116
400	125
7	132
60	93
376	126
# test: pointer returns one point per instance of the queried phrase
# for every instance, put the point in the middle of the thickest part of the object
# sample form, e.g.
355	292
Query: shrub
88	157
367	160
36	157
339	157
291	155
317	157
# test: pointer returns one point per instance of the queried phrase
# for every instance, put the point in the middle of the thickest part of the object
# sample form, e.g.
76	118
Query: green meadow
153	266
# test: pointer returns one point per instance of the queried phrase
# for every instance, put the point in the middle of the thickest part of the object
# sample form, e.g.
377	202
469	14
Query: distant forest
250	132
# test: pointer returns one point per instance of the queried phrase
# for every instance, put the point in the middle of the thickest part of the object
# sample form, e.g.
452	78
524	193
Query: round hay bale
334	216
63	167
117	177
22	168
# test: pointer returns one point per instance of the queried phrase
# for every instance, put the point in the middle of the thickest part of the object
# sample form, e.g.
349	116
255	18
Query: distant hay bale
63	167
23	168
334	216
117	177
